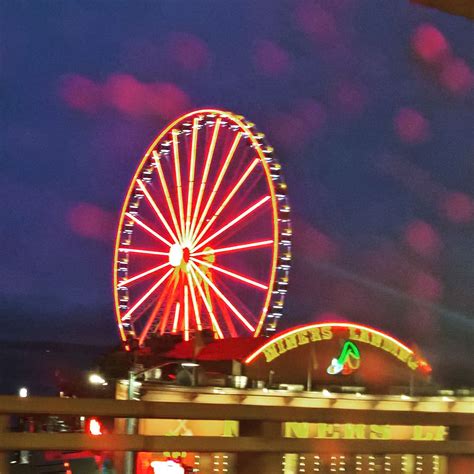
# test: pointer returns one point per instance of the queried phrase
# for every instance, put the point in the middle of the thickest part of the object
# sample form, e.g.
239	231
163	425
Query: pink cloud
411	126
124	93
270	59
188	51
316	22
425	286
422	238
429	43
91	221
350	98
456	76
80	92
457	207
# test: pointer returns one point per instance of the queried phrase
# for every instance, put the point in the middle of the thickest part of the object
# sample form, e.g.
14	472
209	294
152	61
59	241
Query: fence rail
223	411
244	444
260	443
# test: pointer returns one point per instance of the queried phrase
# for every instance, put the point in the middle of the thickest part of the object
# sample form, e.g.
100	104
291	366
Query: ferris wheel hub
178	255
175	255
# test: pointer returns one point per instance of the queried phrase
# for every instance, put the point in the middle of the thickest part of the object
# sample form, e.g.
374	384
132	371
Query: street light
190	364
97	379
23	392
24	455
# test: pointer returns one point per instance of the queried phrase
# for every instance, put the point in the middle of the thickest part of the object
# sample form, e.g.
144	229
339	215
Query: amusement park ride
203	241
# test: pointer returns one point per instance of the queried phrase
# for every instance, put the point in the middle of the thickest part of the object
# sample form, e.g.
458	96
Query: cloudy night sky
369	106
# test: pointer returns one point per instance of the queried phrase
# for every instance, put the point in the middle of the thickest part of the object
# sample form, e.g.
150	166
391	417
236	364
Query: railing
260	432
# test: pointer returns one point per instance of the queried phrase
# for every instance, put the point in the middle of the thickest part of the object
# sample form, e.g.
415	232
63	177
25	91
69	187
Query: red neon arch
282	335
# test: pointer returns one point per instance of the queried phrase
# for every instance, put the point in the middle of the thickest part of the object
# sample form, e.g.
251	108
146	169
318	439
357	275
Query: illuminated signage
363	432
321	332
347	362
165	427
181	429
167	467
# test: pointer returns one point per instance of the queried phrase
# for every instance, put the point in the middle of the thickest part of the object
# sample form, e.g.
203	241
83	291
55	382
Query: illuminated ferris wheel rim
181	245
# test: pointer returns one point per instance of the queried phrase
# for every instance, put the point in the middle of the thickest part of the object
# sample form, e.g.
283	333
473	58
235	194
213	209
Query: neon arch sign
355	333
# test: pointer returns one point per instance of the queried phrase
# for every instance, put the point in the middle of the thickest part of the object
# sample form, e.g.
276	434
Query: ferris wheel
204	237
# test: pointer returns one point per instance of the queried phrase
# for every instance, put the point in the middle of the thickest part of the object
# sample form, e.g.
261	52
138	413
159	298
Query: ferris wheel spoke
214	322
169	303
228	198
233	222
141	251
244	309
224	299
207	295
242	278
218	182
235	248
177	171
186	313
156	209
192	166
197	316
227	318
141	275
176	317
148	229
205	173
164	186
154	314
147	294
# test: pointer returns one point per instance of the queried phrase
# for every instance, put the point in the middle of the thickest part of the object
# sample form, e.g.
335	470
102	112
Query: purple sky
370	109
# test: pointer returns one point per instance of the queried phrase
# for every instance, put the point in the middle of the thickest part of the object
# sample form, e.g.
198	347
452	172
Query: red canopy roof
236	348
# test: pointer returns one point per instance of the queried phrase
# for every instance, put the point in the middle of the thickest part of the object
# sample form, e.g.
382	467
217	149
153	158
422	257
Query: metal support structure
129	461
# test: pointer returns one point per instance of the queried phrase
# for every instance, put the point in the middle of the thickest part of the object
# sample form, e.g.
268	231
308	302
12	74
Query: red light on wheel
94	427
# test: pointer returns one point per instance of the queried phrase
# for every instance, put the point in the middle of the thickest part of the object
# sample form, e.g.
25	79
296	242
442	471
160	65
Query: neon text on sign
362	431
325	331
